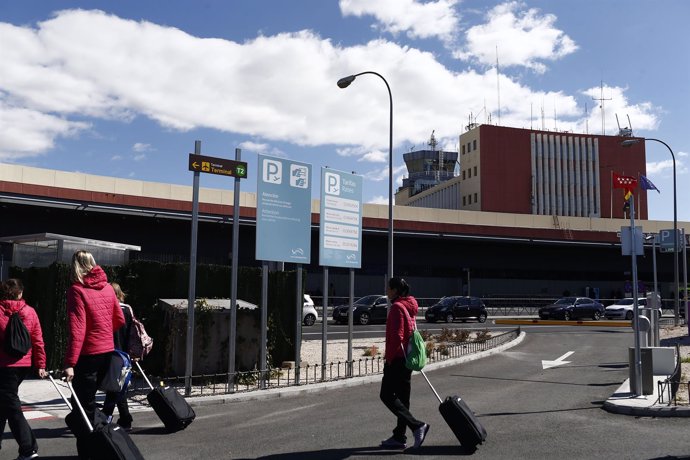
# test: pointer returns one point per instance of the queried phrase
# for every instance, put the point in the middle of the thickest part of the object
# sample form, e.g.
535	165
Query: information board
340	230
283	210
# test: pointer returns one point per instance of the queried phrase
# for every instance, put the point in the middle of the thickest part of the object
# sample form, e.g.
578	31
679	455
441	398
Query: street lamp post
676	308
344	83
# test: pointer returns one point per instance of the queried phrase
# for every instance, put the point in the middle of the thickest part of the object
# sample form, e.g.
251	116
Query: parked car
568	308
367	309
451	308
623	309
309	314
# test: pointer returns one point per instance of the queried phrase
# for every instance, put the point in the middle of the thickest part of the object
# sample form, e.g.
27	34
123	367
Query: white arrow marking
557	362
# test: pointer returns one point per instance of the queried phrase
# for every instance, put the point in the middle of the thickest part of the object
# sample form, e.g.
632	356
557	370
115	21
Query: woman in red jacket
14	369
93	314
396	382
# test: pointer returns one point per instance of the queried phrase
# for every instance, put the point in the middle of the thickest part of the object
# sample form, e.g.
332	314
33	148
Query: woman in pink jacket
14	369
93	314
396	382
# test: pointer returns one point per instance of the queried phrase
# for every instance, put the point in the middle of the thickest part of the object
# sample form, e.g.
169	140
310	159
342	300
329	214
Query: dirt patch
669	337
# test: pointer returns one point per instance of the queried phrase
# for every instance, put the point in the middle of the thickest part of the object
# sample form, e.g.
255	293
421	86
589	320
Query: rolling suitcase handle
425	377
144	374
81	408
64	398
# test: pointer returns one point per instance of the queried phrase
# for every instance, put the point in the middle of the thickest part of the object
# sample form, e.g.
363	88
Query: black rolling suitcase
171	407
460	419
99	439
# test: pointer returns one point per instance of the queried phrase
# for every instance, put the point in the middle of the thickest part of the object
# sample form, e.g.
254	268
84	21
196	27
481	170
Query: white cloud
140	157
261	148
658	167
419	20
375	156
524	37
116	158
51	74
27	132
379	199
642	116
141	147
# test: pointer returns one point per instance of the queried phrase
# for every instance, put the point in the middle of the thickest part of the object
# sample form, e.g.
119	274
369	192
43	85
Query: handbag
119	373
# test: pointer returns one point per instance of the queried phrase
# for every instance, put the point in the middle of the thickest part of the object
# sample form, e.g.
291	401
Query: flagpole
611	193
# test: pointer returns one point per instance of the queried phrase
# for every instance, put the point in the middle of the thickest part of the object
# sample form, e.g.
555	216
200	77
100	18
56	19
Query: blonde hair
118	292
82	263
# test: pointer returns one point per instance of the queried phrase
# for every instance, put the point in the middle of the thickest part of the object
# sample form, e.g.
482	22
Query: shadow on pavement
354	452
550	382
52	433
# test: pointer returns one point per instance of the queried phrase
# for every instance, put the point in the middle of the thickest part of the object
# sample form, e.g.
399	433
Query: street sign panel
340	230
666	241
283	210
220	166
629	238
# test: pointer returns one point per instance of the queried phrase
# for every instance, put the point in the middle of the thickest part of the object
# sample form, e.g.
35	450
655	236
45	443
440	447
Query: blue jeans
11	409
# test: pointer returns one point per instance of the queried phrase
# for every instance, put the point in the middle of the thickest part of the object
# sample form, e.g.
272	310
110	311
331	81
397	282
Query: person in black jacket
121	339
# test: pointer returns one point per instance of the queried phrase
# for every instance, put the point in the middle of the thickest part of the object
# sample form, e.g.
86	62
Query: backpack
140	343
17	338
415	356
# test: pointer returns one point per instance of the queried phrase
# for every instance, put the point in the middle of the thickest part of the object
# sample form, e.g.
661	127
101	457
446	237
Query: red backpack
140	343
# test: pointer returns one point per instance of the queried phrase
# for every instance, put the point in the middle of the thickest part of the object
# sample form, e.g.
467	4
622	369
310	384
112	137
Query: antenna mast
498	87
601	100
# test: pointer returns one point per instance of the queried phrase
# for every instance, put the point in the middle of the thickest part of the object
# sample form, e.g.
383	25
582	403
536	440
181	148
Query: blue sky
125	88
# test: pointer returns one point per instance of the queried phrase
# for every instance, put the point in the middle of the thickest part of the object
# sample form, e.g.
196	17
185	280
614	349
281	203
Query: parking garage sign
283	211
666	241
340	230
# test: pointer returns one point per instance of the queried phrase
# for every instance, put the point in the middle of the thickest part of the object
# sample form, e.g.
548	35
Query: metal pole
324	324
233	280
349	322
655	313
636	314
685	279
298	322
264	324
676	282
191	296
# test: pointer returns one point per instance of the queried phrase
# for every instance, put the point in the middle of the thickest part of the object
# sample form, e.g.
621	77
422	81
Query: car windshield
367	300
447	301
626	301
566	301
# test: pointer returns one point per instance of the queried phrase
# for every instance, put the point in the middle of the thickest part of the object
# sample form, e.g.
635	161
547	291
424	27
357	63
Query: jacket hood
409	303
12	306
95	279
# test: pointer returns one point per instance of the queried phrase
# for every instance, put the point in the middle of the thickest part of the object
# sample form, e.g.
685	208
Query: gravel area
669	337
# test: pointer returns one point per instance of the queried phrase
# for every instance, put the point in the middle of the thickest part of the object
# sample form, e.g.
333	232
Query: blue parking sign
283	210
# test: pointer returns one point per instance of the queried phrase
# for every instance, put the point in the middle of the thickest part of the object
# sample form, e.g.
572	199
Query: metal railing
668	389
217	384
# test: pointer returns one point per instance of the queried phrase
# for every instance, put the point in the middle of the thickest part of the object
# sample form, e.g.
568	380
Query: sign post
197	164
340	238
283	232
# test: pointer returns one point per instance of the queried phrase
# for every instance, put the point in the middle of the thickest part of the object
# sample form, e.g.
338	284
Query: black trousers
395	394
11	409
112	400
88	374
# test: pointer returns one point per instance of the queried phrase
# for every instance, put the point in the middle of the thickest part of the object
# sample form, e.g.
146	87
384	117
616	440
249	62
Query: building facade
525	171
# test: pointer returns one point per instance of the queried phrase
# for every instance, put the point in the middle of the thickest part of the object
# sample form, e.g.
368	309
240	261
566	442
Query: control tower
426	169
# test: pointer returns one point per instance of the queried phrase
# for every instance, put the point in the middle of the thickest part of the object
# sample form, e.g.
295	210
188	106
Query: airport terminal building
487	252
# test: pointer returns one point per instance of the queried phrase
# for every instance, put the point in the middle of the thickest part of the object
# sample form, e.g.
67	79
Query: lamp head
345	81
629	142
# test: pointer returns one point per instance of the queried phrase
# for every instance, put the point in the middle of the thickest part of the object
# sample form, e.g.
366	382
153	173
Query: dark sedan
456	307
368	309
568	308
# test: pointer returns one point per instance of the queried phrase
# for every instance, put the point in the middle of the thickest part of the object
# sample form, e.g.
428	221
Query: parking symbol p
272	172
332	183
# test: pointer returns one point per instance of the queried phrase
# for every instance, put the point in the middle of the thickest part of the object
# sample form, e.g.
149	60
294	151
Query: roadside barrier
256	380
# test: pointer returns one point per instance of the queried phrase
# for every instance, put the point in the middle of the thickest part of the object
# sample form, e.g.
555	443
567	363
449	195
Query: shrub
371	351
483	335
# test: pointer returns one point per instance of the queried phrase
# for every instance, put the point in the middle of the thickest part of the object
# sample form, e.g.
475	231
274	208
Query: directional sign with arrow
220	166
557	362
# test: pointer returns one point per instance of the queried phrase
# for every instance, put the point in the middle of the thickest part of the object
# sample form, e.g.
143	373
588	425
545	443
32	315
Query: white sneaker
24	457
420	435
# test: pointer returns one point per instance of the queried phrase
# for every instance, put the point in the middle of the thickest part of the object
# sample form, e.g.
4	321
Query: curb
260	395
618	406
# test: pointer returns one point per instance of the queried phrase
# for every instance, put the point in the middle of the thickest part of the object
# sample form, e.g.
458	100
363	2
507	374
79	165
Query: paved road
529	412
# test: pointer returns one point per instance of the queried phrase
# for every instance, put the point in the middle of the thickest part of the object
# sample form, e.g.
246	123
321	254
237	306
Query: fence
216	384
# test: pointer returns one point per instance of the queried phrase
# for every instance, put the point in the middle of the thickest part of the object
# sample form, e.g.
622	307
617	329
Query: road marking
557	362
31	414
